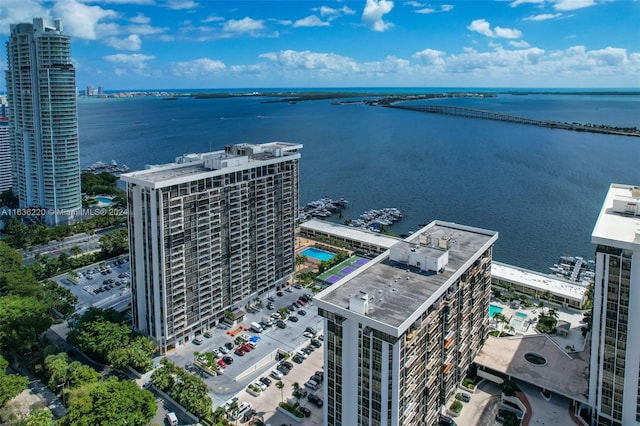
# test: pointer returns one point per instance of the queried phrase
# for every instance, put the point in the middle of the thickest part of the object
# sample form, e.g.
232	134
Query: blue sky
164	44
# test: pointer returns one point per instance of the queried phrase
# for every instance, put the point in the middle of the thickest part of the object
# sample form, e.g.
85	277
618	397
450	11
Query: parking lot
262	360
103	285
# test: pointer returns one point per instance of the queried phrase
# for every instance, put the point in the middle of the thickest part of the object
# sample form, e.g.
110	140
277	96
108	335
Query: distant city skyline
178	44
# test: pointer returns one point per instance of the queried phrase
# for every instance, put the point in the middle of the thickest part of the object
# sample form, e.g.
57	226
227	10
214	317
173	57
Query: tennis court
341	270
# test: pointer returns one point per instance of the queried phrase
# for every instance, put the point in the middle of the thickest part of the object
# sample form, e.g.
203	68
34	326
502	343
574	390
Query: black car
227	360
271	299
446	421
315	400
287	364
279	293
281	324
315	342
283	369
305	411
298	359
309	349
318	377
310	330
297	286
293	318
265	380
229	345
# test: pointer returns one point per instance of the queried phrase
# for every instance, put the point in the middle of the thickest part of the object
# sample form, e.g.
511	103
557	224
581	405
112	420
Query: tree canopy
10	384
186	389
111	402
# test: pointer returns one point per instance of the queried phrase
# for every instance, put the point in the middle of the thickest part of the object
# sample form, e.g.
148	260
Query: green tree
22	321
75	250
10	384
9	199
55	370
115	243
111	402
39	417
547	296
280	385
296	391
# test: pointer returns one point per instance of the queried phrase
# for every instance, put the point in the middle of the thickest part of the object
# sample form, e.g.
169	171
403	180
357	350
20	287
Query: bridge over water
499	116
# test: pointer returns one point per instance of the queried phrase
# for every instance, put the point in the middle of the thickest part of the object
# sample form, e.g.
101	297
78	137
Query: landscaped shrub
292	409
469	383
456	406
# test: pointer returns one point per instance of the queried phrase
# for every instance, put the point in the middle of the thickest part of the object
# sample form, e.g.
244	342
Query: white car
276	316
223	350
260	385
276	375
302	354
307	335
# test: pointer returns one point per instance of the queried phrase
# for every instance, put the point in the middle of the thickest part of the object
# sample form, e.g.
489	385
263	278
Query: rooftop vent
359	303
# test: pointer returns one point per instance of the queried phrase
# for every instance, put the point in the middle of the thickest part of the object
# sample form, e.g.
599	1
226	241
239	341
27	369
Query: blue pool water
521	315
103	200
320	255
494	309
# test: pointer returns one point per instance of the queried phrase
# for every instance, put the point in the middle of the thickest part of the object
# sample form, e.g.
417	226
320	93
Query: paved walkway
37	393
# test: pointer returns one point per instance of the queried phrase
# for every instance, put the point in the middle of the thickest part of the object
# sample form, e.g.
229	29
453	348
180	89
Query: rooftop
566	374
619	222
538	281
397	293
189	167
350	233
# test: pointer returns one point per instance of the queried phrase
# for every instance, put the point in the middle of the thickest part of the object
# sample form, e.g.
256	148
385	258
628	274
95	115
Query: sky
210	44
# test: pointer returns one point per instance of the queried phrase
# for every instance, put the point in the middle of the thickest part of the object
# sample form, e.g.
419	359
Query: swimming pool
521	315
103	200
494	309
317	254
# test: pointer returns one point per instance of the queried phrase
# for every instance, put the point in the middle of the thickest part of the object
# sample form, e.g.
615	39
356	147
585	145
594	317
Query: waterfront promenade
498	116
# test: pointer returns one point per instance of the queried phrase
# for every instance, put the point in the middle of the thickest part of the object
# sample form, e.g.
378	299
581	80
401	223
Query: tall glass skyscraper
43	121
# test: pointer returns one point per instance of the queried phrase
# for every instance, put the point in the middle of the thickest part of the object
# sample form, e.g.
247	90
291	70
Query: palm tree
280	386
552	313
75	250
233	410
296	391
501	319
547	296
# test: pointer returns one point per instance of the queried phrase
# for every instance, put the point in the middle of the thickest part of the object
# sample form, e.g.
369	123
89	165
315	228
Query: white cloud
182	4
135	62
308	60
331	13
430	57
517	3
415	4
212	18
132	42
17	11
310	21
425	11
245	25
145	29
520	44
543	17
140	19
609	56
446	7
573	4
83	21
483	27
202	67
373	12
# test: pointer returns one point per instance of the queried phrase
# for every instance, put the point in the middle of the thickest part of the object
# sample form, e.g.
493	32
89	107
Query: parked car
297	358
271	306
261	385
223	350
293	318
228	360
265	380
315	400
302	312
463	396
307	335
286	364
315	342
297	286
239	352
446	421
288	290
208	334
284	370
228	345
281	324
309	349
198	340
279	293
310	330
246	347
277	374
304	410
222	364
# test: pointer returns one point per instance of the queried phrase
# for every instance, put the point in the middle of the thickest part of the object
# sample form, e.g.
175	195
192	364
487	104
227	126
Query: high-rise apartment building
614	380
5	147
401	332
208	234
43	125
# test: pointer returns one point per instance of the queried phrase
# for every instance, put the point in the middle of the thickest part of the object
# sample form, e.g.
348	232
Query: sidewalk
37	393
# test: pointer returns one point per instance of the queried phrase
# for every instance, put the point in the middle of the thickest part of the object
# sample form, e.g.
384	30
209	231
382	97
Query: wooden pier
498	116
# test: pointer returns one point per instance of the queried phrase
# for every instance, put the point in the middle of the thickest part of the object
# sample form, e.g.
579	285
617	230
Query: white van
256	327
172	419
311	384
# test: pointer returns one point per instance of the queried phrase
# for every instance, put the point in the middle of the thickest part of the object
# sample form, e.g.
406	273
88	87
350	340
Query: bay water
541	189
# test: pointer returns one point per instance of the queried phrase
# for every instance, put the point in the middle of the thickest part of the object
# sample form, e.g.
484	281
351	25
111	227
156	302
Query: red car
239	352
222	364
246	348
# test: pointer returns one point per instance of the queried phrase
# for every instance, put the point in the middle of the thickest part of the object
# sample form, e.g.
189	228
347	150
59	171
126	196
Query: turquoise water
521	315
103	200
493	309
320	255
